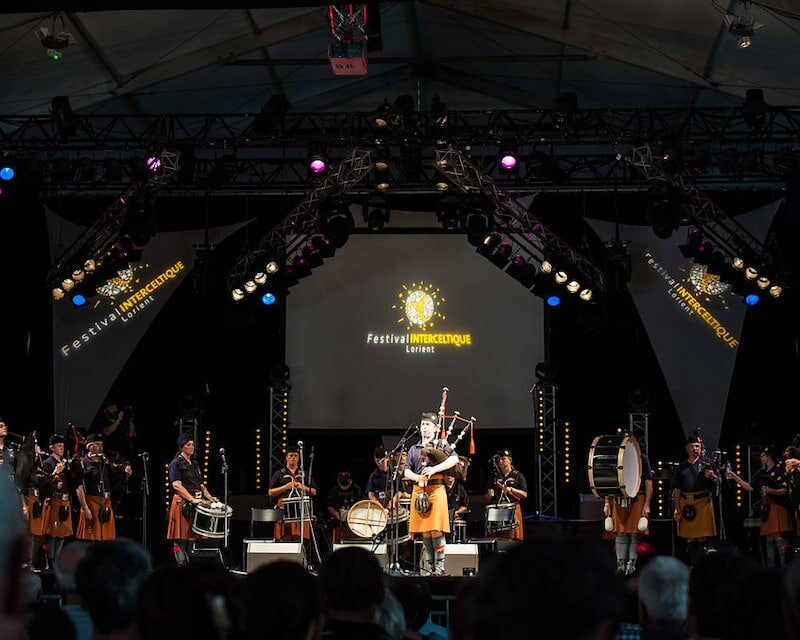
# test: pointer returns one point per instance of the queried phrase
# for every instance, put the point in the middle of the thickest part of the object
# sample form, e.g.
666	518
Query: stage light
502	254
268	298
449	214
67	284
573	286
775	291
402	111
153	163
508	156
6	173
762	282
751	299
382	157
737	263
78	275
564	108
547	266
237	295
250	286
317	159
89	266
338	222
439	111
58	293
272	267
585	295
78	300
323	245
381	117
492	240
382	185
260	278
375	219
751	273
561	277
553	301
477	227
441	185
317	165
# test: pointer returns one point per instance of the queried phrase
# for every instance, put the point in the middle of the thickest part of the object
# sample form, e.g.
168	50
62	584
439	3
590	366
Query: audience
390	616
663	599
64	570
415	596
12	555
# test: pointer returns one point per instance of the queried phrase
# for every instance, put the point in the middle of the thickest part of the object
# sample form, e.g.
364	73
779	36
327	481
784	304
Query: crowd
560	587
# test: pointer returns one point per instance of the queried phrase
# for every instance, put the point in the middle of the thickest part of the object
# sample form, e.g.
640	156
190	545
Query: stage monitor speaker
378	551
461	559
590	508
258	552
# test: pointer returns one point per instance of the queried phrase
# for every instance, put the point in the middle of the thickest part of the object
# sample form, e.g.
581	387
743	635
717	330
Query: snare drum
297	508
367	519
459	534
615	466
209	519
397	525
500	517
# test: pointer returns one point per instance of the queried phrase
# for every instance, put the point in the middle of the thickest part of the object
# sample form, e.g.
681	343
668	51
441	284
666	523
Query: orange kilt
702	524
179	527
437	518
778	522
54	526
35	525
626	519
95	530
291	529
517	533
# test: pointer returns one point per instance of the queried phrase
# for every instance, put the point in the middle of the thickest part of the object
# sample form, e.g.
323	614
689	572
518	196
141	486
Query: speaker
259	552
379	552
590	508
461	559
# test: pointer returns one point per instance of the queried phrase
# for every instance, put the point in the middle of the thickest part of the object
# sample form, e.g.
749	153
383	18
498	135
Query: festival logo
420	307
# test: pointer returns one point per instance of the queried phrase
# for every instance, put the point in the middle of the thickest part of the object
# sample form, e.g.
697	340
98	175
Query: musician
378	482
776	522
57	507
94	494
626	517
117	429
457	498
510	486
188	488
343	496
288	482
8	458
429	515
692	485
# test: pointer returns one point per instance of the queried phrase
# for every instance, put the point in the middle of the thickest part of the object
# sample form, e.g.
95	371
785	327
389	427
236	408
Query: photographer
117	429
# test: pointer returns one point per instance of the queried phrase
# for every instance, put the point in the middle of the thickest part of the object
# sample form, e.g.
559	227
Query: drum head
367	519
631	468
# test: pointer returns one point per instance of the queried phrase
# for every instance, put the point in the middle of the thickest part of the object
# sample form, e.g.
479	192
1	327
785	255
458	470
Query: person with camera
117	429
186	482
94	494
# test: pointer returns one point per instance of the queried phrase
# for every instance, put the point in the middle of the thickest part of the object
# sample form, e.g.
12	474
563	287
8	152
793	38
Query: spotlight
6	173
375	219
492	240
664	211
382	156
508	156
564	109
502	254
751	299
271	114
547	266
585	295
250	286
58	293
268	299
441	185
153	163
312	256
762	282
439	111
477	227
272	267
260	278
237	295
78	300
573	286
402	111
380	118
67	284
737	263
750	273
449	214
317	160
338	222
89	266
775	291
553	301
323	245
78	275
561	277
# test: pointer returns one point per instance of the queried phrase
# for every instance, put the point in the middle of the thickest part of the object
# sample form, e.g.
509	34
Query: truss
544	404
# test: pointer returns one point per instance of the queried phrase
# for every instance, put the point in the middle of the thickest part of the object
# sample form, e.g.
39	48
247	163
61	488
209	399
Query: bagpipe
435	452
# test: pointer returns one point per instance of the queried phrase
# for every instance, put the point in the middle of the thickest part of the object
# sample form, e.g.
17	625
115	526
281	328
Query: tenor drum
367	519
615	466
397	526
209	519
500	517
297	508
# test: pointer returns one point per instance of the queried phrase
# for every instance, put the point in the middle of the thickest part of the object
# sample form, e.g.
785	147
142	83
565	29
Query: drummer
377	484
186	482
429	515
509	486
288	482
343	496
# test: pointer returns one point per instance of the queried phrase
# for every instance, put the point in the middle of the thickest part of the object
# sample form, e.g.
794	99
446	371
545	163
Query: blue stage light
751	299
554	301
268	298
78	300
7	173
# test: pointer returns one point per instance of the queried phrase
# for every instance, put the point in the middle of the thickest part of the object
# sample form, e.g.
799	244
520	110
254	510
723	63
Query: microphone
300	443
222	455
101	456
143	454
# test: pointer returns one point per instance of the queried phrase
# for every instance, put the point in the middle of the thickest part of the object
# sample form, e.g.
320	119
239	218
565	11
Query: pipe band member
772	484
692	485
96	520
286	483
343	496
626	518
188	489
425	466
57	505
508	487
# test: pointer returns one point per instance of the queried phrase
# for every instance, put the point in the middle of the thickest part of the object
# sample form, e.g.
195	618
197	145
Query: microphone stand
303	514
394	483
225	498
145	492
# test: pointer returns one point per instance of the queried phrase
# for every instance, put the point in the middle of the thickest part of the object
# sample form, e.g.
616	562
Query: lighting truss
544	404
292	231
639	428
511	217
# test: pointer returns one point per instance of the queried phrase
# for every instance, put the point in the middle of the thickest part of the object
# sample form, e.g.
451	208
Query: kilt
291	529
696	515
54	526
178	526
626	519
95	530
779	521
438	517
35	525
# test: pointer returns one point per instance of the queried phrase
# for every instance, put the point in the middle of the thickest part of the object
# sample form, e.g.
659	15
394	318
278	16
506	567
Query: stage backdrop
693	320
92	343
377	331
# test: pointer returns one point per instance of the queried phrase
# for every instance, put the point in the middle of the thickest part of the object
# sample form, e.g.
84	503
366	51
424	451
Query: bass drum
615	466
367	519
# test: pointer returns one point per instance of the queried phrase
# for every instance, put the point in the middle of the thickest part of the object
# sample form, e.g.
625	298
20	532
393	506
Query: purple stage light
153	163
508	161
317	165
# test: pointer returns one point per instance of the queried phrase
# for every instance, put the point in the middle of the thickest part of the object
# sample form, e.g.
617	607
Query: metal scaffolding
544	405
639	428
278	427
